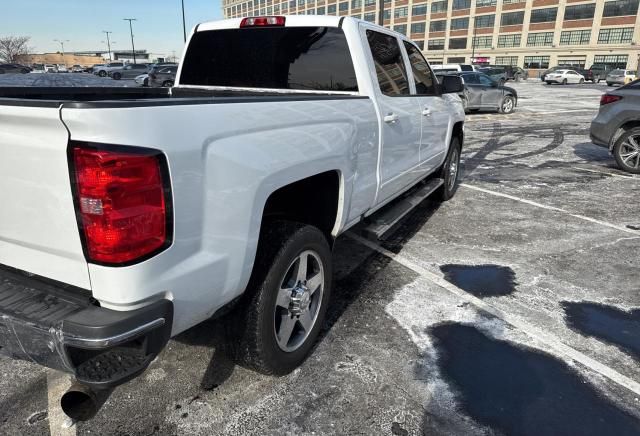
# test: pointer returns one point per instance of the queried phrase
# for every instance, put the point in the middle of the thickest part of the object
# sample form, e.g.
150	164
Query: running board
384	220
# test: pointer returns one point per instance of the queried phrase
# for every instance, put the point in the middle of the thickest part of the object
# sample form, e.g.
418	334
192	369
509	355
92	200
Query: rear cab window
296	58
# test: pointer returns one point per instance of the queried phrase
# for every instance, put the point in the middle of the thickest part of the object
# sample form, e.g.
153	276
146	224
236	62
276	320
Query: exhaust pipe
81	403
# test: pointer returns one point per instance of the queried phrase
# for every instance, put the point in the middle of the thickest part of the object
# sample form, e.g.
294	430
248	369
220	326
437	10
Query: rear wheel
450	171
102	73
627	151
145	82
167	83
581	81
564	81
117	76
281	314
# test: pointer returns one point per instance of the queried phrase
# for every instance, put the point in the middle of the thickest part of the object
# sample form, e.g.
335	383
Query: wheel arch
626	125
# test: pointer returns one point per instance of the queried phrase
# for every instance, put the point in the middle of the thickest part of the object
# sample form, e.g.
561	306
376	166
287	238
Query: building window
401	12
419	10
574	63
536	62
484	3
321	10
509	40
437	7
482	41
438	26
580	12
507	60
460	23
615	61
370	17
456	60
418	27
356	4
510	2
457	43
420	44
575	37
540	39
331	9
620	7
343	7
484	21
543	15
461	4
370	2
400	28
512	18
386	15
615	36
436	44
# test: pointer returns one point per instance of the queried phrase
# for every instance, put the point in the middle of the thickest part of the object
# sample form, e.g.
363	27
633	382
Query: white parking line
552	208
607	173
516	322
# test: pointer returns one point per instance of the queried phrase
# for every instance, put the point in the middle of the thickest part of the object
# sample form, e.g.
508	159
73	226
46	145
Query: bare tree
11	47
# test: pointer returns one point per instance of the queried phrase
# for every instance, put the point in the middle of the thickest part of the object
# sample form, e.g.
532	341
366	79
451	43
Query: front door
399	116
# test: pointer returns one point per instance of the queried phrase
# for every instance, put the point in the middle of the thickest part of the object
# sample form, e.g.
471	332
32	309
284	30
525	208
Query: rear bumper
62	328
597	134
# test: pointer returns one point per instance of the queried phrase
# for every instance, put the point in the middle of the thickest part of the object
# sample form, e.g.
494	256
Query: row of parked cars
565	75
499	73
153	75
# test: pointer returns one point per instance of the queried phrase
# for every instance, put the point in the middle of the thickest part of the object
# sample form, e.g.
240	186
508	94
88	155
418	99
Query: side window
390	69
471	79
422	75
484	80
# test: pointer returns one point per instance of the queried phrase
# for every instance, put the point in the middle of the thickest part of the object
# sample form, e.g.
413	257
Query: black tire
618	151
609	84
581	81
564	81
145	82
102	73
449	188
117	76
505	107
255	344
167	83
548	83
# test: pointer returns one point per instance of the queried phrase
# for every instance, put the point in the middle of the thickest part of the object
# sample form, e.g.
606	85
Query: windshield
305	58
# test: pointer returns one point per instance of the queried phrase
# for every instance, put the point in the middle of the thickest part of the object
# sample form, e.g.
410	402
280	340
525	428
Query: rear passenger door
435	114
398	113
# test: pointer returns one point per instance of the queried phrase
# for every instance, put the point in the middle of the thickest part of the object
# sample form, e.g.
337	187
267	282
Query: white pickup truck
130	215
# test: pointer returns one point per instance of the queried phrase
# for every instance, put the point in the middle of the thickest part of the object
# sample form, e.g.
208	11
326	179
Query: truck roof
290	21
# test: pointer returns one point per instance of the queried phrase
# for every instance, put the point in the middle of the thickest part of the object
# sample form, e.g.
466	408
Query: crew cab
132	214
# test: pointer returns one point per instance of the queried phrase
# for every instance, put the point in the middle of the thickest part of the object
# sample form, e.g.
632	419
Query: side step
386	218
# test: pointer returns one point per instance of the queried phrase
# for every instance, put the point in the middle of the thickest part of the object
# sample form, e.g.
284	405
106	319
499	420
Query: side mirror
452	84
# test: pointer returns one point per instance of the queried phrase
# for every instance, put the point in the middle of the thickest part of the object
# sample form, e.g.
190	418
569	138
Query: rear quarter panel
224	161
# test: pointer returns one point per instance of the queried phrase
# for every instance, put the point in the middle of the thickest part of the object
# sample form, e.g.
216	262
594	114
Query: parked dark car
162	76
617	126
514	73
599	72
588	74
130	71
497	74
14	69
482	92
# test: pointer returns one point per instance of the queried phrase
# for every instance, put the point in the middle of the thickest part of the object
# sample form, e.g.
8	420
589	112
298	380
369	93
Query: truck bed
91	97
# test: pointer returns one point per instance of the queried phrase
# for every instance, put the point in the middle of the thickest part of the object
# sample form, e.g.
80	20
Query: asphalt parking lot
512	309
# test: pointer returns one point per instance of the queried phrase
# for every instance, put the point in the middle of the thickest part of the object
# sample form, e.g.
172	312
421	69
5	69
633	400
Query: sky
158	28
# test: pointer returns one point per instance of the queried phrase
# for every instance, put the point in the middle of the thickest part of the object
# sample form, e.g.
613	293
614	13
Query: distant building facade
533	34
69	59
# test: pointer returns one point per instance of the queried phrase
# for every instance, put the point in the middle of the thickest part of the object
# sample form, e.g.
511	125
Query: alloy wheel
630	152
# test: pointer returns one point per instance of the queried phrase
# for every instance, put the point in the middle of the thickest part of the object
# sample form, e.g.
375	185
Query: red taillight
608	98
262	21
122	203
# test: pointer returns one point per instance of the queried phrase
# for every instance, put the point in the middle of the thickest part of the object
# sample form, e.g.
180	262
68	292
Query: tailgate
38	228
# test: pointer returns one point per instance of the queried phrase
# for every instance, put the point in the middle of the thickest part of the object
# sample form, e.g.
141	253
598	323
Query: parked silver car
163	76
130	71
617	126
620	77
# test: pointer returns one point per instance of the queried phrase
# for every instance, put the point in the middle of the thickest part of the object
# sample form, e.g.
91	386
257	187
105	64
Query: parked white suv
137	213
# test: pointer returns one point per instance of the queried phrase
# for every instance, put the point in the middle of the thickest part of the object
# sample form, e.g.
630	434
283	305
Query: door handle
426	112
390	118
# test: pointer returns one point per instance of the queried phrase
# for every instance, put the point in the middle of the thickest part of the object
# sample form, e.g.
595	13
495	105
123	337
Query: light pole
108	43
184	24
131	30
473	41
61	42
380	12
